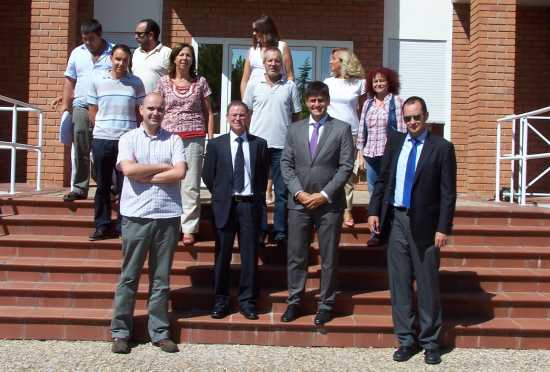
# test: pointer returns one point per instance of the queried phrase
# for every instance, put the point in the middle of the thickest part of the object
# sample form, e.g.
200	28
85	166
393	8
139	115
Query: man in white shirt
149	61
153	163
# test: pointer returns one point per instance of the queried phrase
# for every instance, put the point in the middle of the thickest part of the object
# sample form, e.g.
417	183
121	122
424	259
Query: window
221	62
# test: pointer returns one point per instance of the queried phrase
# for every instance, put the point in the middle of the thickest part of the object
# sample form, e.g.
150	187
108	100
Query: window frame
227	43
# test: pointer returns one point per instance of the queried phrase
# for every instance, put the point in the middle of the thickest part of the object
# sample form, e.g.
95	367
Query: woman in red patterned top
188	113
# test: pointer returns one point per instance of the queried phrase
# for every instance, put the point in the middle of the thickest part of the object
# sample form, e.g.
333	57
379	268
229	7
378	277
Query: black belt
401	209
243	198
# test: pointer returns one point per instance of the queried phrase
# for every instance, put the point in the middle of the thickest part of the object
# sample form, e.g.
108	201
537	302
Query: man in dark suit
317	161
235	172
414	201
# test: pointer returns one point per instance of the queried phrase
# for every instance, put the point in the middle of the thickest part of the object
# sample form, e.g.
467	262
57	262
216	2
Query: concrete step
18	322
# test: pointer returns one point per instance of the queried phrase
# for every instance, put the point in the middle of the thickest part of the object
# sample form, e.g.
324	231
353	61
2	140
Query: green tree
304	76
236	76
210	67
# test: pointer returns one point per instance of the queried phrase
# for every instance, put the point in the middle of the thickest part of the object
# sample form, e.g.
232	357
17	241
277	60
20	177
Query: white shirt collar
233	136
322	121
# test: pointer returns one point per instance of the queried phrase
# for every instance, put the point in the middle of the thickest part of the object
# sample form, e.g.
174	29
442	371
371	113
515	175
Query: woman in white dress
347	87
265	35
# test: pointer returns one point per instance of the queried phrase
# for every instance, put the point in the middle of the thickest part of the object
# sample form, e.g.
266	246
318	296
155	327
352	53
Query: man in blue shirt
92	55
414	201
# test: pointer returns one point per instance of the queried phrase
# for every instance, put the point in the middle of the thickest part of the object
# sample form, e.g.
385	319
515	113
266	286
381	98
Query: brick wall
532	90
359	21
14	70
491	87
52	25
460	83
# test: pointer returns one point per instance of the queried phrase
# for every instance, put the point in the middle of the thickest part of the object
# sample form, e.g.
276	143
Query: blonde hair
350	65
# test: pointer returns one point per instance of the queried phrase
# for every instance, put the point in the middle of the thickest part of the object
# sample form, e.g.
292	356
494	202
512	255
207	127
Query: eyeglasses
140	34
409	118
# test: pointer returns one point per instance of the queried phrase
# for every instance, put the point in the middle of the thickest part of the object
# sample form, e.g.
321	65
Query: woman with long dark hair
188	113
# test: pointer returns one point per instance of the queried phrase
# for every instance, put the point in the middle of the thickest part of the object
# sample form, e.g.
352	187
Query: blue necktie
238	170
409	174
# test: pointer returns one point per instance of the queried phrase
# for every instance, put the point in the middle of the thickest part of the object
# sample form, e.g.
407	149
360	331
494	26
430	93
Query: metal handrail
13	145
522	155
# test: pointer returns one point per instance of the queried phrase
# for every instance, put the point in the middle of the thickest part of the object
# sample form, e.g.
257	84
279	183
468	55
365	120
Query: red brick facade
500	59
14	70
359	21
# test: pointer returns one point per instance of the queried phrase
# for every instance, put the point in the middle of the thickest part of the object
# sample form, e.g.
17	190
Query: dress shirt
311	128
247	191
402	164
148	200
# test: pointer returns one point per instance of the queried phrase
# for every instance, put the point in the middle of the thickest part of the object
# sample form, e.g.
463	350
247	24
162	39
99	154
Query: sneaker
99	234
72	196
120	346
167	345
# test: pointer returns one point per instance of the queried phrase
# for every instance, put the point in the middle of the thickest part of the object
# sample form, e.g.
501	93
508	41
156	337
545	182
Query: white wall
418	21
119	17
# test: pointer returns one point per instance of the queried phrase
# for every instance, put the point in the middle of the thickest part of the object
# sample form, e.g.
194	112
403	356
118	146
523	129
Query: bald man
153	163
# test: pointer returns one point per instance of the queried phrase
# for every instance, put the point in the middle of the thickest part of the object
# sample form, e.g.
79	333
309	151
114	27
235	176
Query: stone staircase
55	284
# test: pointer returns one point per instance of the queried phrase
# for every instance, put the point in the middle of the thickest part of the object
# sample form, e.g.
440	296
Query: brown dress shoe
167	345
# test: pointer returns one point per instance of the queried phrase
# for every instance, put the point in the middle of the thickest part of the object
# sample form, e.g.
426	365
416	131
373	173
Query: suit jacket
217	174
327	171
433	195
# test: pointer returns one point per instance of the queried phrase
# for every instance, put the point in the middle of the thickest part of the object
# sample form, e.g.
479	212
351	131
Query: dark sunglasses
408	118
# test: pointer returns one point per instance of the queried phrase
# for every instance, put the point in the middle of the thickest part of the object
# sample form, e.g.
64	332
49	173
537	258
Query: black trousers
243	221
407	262
105	153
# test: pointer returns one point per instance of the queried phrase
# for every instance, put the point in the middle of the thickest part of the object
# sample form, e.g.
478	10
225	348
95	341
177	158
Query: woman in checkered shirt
381	113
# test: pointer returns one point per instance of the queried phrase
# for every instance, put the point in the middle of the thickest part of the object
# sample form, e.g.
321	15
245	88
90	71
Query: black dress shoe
249	313
99	234
322	317
292	313
432	356
404	353
72	196
219	311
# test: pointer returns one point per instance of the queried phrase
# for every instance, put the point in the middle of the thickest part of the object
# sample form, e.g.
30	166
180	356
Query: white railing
522	155
19	106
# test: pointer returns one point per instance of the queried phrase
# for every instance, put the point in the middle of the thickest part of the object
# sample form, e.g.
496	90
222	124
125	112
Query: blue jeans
105	153
280	211
373	170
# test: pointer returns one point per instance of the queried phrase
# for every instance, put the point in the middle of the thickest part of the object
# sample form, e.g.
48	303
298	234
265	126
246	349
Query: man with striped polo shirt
153	163
113	100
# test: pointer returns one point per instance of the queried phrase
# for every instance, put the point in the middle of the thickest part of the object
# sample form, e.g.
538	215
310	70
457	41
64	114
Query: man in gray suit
316	163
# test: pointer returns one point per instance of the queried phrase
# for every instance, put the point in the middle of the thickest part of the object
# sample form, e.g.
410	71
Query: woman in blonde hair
347	88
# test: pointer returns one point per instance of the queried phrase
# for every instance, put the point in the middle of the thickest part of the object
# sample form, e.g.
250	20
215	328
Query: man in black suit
316	164
414	201
235	172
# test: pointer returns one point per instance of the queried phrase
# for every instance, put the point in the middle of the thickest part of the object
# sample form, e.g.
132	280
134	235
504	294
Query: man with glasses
414	201
149	61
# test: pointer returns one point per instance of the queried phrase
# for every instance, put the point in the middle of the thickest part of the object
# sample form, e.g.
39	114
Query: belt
243	198
401	209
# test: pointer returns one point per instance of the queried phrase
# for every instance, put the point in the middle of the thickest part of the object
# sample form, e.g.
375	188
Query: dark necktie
409	174
314	139
238	170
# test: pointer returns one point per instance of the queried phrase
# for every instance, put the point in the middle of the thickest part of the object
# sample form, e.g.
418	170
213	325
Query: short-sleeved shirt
183	106
81	68
151	66
344	100
116	102
147	200
272	108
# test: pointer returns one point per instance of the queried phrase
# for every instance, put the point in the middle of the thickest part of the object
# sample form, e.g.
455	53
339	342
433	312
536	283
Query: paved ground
96	356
